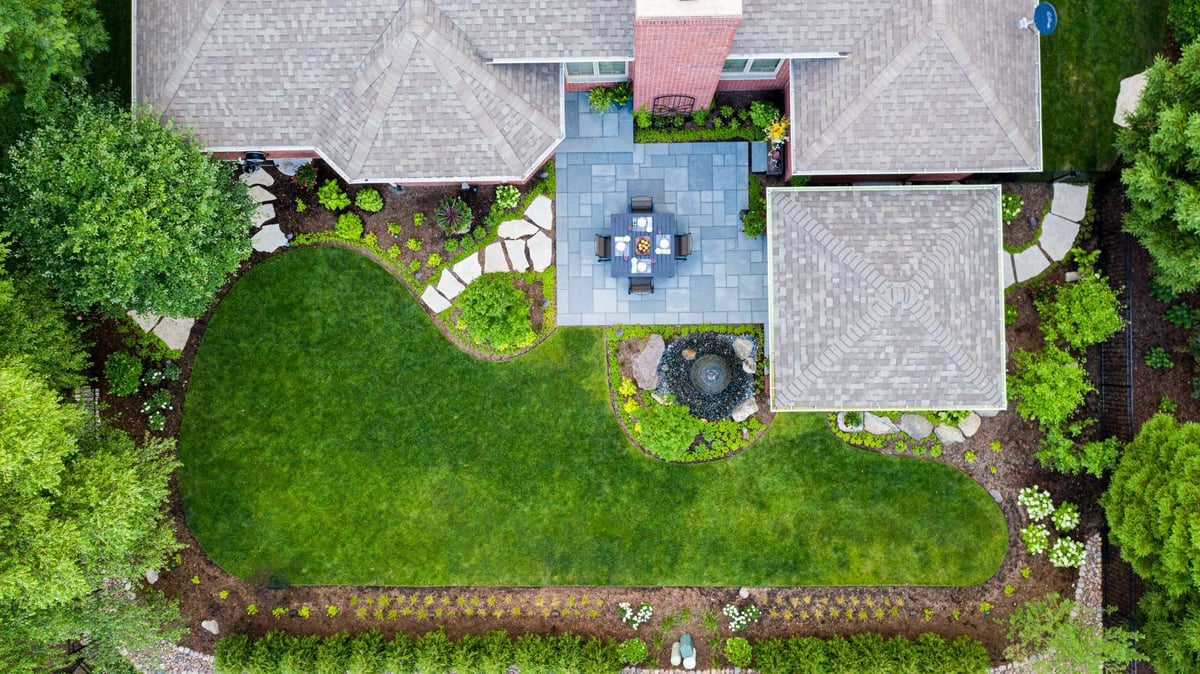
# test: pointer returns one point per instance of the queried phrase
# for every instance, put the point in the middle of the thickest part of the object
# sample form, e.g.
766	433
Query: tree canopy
119	211
1162	145
42	44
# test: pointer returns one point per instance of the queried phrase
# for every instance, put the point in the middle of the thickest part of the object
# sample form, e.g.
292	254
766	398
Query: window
744	69
599	71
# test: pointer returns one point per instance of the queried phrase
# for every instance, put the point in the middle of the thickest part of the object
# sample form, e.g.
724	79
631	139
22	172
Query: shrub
452	215
332	197
395	229
1066	516
700	117
507	197
1010	314
853	419
970	456
349	227
1037	503
433	260
1184	17
413	244
600	99
1049	385
300	205
622	93
418	219
738	651
369	199
496	313
1036	538
123	372
1157	358
642	118
156	421
1082	313
306	176
1181	316
451	245
1066	552
1010	207
868	652
633	651
668	431
754	222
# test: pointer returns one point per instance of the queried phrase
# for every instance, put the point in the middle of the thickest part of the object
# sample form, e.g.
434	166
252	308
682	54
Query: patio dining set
642	245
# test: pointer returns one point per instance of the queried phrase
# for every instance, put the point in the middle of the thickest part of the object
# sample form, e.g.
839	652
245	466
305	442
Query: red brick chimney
680	47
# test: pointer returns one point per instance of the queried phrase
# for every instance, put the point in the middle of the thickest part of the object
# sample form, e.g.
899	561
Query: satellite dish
1045	19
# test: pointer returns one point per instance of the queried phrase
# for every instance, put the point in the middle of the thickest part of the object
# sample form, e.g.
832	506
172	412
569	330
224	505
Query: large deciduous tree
119	211
44	43
80	514
1162	145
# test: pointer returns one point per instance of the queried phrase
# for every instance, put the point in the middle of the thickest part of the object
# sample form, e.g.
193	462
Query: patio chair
641	285
603	248
641	205
683	246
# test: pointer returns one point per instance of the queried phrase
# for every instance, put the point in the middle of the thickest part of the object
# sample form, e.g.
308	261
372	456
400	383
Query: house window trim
596	76
747	74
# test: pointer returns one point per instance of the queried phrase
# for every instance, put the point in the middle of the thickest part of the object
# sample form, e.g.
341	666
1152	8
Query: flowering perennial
1066	516
634	619
740	618
1066	552
1037	502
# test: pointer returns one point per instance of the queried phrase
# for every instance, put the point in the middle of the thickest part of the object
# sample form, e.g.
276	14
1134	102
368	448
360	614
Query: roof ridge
192	49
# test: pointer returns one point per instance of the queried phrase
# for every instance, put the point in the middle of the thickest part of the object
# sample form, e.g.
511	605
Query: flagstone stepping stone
541	251
988	413
434	300
288	166
468	269
1069	201
1029	263
877	425
1058	235
260	195
264	213
151	576
949	435
1010	277
645	366
1127	99
516	229
493	258
268	239
211	626
145	321
449	286
970	425
174	331
257	178
541	212
916	426
516	254
745	410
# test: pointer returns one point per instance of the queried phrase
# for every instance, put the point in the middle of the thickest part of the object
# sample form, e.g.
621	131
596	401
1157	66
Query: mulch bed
1020	233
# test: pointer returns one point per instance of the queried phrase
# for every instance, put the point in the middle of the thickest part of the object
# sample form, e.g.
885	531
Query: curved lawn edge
320	403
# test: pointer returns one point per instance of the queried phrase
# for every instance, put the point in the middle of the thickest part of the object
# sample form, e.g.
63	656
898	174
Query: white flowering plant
1037	502
1036	538
739	618
635	619
1066	552
1066	516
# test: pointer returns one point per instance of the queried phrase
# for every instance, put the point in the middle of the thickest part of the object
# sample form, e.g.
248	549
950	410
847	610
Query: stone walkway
523	245
1059	229
703	184
268	238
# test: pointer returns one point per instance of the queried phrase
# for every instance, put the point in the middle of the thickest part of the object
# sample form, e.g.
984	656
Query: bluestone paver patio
703	184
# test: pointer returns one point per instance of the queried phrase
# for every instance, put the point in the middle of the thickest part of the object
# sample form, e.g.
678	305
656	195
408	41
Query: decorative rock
264	213
1069	201
541	212
257	178
645	366
949	435
468	269
1058	235
688	354
745	410
145	321
743	348
174	331
970	425
268	239
151	576
516	229
661	399
877	425
1010	276
261	196
211	626
996	496
748	366
988	413
449	286
1029	263
434	300
493	258
516	254
744	593
916	426
288	166
1127	99
541	251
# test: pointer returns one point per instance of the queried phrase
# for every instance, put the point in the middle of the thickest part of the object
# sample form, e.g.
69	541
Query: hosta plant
634	619
369	200
1036	538
452	215
1066	552
1036	502
332	197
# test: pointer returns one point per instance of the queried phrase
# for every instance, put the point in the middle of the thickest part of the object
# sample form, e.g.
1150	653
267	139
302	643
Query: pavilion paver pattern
703	184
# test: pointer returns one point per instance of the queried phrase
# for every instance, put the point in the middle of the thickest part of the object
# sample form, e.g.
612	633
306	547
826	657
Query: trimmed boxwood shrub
124	373
870	652
496	313
633	651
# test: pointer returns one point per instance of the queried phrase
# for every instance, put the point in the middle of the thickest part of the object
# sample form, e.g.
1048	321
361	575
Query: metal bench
673	104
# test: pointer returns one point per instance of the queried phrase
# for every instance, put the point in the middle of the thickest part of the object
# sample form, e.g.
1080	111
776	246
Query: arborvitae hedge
869	652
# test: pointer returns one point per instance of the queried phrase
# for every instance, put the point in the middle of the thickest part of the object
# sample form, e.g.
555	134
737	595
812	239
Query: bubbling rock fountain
703	372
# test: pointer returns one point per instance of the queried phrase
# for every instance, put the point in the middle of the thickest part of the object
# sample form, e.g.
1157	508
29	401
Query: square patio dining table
658	229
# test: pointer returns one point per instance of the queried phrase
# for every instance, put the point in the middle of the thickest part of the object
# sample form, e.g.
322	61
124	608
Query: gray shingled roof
886	298
932	86
385	89
541	29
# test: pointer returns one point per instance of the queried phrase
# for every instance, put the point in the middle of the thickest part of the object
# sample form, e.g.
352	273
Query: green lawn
1097	44
332	435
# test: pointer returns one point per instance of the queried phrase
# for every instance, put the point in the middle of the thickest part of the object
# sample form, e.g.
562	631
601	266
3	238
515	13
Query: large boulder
916	426
743	348
949	435
645	367
970	425
745	410
877	425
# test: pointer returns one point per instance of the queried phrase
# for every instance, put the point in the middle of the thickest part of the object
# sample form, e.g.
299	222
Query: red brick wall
680	56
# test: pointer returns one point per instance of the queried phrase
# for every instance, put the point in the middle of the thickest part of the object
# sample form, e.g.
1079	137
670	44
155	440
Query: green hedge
695	135
431	653
869	652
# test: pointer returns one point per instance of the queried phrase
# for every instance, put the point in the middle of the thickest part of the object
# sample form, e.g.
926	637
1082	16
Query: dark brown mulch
1021	233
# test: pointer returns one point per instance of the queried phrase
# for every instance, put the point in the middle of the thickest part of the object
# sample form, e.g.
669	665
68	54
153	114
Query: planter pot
846	428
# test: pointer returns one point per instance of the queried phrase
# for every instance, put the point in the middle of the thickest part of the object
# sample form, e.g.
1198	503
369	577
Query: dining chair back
641	205
603	248
641	285
683	246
